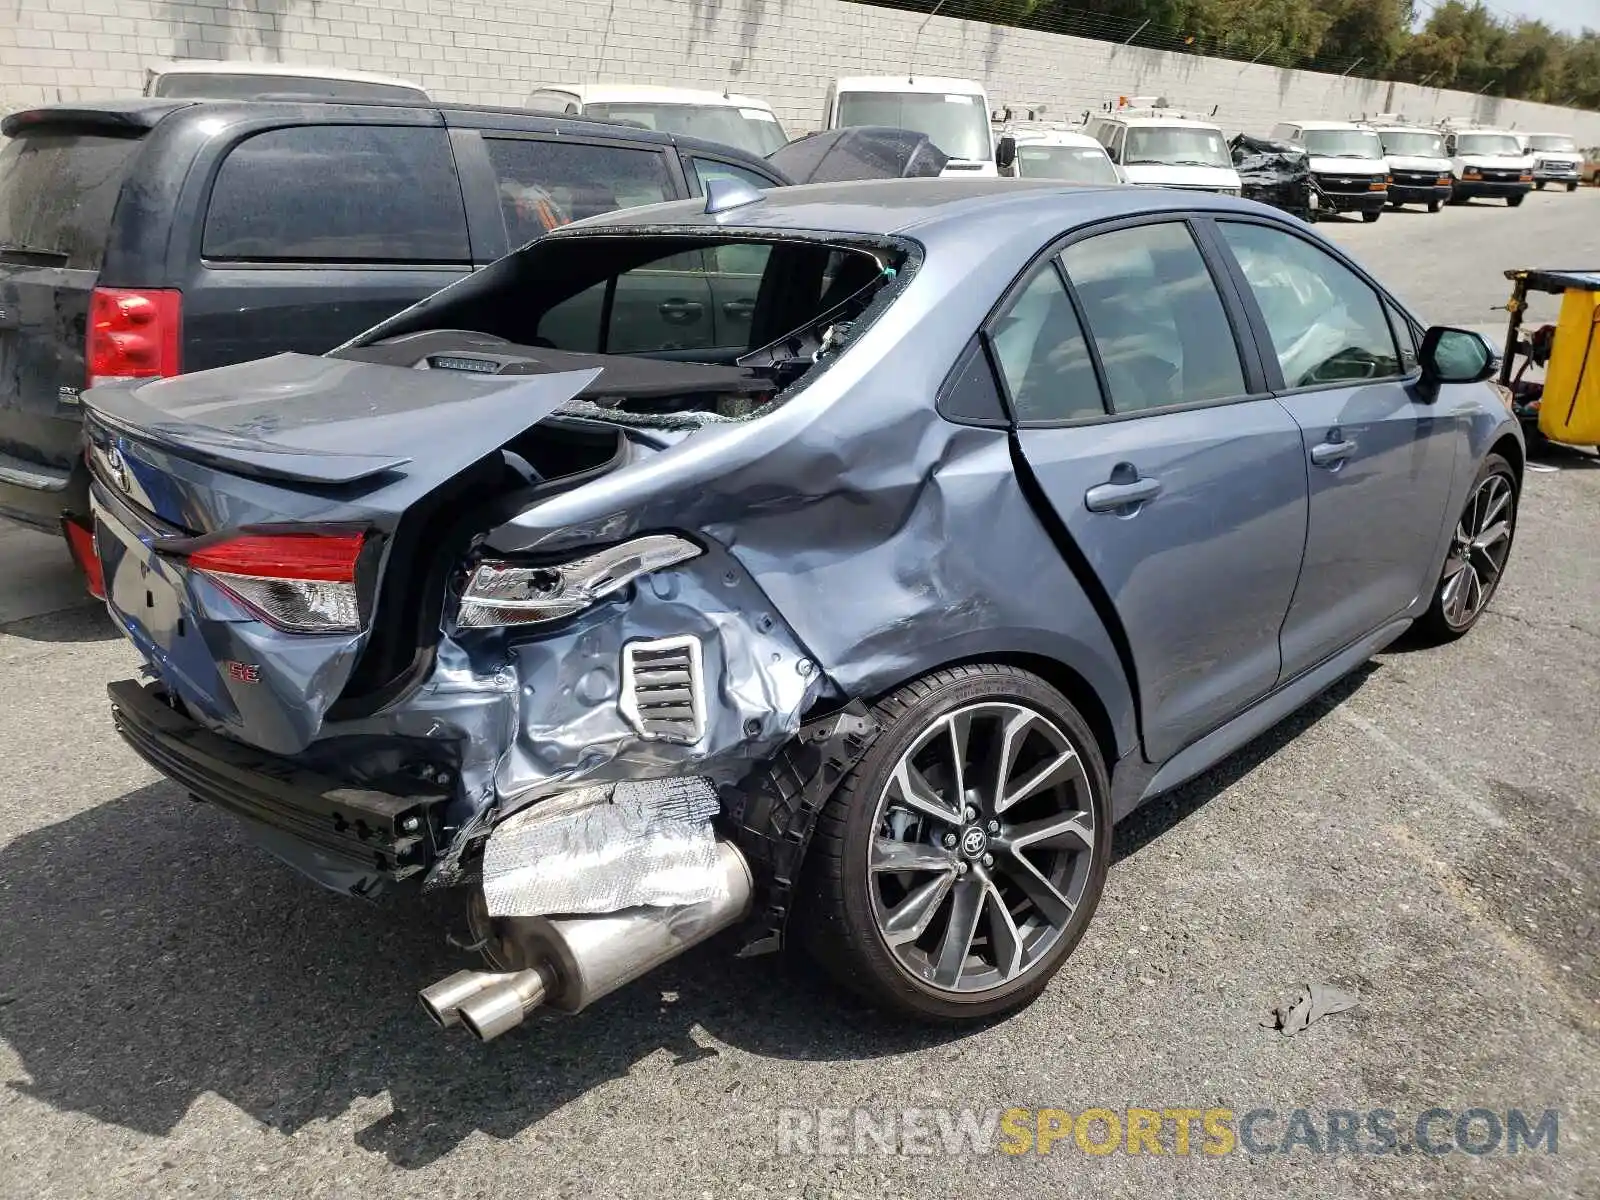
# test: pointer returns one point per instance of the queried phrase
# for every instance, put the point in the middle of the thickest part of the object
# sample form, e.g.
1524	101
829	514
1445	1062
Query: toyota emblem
118	469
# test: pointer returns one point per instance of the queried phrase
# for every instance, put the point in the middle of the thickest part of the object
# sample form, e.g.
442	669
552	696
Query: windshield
57	193
1419	143
1553	141
234	86
954	121
1488	143
1176	146
1342	143
751	129
1076	164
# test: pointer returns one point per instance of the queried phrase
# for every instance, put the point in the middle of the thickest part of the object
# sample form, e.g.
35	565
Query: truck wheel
1572	187
1370	217
1539	185
959	862
1516	201
1433	206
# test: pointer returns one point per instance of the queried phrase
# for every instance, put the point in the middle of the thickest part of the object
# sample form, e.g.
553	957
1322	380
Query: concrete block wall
496	51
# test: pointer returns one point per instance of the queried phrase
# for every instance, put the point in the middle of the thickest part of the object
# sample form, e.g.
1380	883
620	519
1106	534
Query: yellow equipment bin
1570	410
1566	405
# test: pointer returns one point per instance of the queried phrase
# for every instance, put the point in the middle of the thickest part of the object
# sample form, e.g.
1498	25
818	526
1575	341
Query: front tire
1539	185
1516	201
1433	206
1572	187
957	865
1476	560
1370	217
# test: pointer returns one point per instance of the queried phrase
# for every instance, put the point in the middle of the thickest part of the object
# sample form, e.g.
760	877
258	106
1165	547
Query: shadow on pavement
86	622
153	955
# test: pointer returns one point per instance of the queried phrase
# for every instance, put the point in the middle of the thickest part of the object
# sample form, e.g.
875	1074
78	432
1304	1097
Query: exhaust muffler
567	963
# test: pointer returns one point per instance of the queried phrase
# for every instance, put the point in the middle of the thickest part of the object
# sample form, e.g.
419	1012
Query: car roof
205	66
599	93
927	208
1327	124
147	112
1054	137
1194	122
907	83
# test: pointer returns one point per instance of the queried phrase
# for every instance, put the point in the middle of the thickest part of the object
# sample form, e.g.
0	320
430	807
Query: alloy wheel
983	842
1478	551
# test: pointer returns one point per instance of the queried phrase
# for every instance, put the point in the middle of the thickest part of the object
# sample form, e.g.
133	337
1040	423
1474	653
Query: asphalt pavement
180	1015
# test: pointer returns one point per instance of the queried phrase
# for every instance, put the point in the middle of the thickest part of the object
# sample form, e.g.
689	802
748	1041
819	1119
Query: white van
954	113
1487	162
742	121
1034	152
1556	159
1419	170
1346	160
204	79
1160	146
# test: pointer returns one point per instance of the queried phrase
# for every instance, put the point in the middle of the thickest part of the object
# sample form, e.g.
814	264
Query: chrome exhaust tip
442	1001
504	1005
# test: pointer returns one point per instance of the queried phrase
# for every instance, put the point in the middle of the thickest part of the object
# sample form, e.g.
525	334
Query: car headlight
502	593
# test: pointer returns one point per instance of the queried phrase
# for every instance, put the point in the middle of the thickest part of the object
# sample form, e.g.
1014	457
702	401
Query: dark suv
152	237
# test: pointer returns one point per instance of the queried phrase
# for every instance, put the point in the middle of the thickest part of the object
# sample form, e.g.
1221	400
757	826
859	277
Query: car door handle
1332	452
1121	493
681	312
739	310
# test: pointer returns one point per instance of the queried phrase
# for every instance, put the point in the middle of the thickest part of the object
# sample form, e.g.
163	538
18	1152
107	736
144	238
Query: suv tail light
297	582
132	334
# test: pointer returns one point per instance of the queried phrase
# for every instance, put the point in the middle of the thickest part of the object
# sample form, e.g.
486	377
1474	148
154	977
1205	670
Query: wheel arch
1066	679
1510	448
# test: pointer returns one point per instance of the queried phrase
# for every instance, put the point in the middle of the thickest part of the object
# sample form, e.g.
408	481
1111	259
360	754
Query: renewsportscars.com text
1210	1132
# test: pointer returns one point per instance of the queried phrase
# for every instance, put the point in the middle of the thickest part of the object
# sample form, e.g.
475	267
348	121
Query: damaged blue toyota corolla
838	562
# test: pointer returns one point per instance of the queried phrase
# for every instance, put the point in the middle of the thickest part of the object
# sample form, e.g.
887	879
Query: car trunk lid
211	490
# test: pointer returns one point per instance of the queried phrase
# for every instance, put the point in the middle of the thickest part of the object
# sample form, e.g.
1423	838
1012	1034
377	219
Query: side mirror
1005	152
1454	356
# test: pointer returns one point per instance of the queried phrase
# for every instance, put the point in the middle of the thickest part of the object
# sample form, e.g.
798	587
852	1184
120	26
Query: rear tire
1480	547
919	892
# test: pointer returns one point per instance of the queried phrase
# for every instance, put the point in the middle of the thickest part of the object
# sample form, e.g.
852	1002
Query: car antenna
911	65
725	194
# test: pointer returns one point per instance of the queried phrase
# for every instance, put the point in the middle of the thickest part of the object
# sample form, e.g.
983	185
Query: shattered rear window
687	328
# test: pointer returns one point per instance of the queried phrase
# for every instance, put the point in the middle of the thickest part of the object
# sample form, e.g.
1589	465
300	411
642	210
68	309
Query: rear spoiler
121	116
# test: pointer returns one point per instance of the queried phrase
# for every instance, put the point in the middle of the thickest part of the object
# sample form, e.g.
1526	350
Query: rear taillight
80	542
132	334
297	582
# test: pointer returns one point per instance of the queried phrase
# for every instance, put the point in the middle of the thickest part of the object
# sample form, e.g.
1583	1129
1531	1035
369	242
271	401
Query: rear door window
1043	356
544	184
58	192
1155	316
338	193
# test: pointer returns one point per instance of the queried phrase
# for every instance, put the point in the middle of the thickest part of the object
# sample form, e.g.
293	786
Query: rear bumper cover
347	838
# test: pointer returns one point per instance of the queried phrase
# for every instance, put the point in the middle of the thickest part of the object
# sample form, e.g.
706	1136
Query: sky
1570	15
